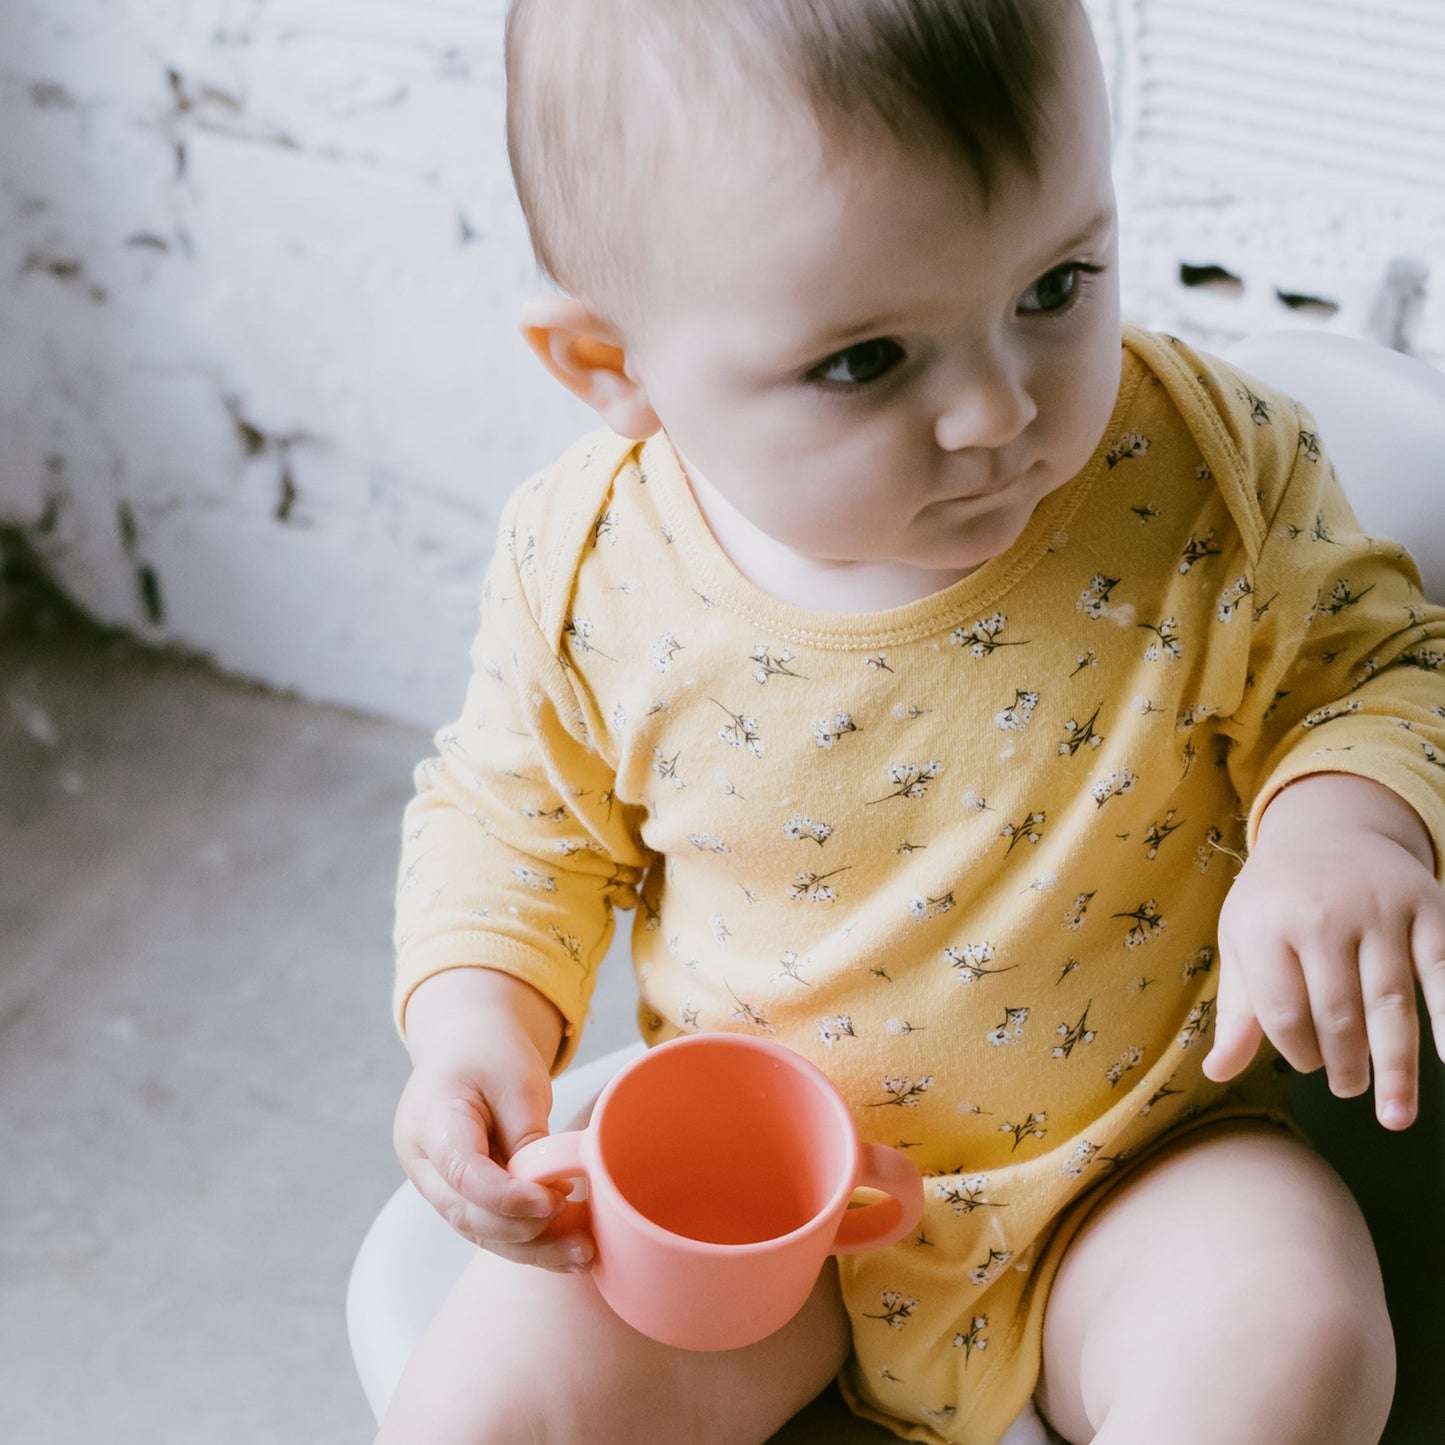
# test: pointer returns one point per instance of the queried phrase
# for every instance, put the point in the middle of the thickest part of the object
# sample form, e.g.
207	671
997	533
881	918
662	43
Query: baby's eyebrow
1087	232
869	325
849	332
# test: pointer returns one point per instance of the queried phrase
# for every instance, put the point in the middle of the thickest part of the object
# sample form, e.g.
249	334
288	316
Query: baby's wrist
1338	805
458	1010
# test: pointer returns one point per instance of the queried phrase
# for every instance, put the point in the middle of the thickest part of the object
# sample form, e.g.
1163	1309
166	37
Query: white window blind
1311	88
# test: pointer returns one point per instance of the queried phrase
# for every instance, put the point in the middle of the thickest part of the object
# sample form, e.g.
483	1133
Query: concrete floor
197	1063
198	1068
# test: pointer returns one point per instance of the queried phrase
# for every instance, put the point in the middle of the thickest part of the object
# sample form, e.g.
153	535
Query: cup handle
551	1160
882	1167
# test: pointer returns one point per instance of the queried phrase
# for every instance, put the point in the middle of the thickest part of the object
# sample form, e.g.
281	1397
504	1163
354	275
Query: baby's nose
986	409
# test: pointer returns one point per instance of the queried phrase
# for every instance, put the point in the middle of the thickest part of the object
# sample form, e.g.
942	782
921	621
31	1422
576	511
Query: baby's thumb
519	1114
1237	1034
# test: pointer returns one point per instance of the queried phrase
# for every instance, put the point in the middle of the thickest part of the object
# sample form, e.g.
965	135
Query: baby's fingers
1333	967
1282	1003
514	1237
1388	986
476	1213
444	1144
1237	1034
1427	942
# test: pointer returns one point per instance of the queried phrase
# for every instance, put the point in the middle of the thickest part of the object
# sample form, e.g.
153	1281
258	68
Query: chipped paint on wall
260	388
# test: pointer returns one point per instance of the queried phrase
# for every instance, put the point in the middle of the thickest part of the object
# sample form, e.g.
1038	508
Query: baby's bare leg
1228	1294
522	1356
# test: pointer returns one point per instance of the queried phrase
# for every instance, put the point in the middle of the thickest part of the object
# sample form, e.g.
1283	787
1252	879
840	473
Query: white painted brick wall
260	265
260	388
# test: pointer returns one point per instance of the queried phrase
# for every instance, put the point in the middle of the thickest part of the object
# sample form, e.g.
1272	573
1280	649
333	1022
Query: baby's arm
1335	750
1322	936
482	1045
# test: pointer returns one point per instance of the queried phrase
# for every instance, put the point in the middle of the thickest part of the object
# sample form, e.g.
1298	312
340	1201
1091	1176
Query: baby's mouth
992	488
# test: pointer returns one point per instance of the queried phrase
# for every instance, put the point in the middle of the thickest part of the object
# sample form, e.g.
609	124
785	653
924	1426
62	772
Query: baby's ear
584	353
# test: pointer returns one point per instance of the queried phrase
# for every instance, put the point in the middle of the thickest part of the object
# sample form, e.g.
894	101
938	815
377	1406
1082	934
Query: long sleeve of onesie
1346	655
515	849
1323	654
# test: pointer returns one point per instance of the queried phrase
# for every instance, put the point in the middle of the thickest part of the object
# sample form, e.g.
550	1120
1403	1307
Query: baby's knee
563	1407
1340	1333
522	1357
499	1417
533	1401
502	1364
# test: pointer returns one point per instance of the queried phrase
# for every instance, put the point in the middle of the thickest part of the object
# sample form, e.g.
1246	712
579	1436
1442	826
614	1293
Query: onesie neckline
724	584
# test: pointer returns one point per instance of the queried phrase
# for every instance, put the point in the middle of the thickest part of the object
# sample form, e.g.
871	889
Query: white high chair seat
1381	417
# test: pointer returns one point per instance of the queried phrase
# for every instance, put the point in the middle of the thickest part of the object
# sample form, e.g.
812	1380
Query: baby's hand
479	1090
1322	937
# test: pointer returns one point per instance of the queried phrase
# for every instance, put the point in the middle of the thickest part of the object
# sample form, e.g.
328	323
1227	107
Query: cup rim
780	1053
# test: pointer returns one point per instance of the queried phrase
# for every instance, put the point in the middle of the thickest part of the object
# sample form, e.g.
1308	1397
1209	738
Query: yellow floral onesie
968	854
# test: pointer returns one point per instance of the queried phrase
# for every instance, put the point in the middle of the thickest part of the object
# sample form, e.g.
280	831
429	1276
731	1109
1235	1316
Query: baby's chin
963	536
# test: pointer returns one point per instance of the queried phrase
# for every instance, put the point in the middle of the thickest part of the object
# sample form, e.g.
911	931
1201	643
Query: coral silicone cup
719	1171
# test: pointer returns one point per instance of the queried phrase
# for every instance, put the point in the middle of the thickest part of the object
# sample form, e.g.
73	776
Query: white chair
1382	418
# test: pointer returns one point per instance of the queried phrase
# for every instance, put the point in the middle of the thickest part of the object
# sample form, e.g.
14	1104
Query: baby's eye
1057	290
858	365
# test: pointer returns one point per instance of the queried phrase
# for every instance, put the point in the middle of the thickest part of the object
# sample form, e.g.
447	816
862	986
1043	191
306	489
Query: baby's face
867	364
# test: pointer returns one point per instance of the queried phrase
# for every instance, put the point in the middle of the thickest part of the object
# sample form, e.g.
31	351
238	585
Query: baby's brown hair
602	103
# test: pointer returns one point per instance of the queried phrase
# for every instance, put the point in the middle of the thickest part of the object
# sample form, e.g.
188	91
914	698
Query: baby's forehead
791	173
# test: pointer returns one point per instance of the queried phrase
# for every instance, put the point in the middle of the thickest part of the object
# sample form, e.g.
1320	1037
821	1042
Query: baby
921	652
